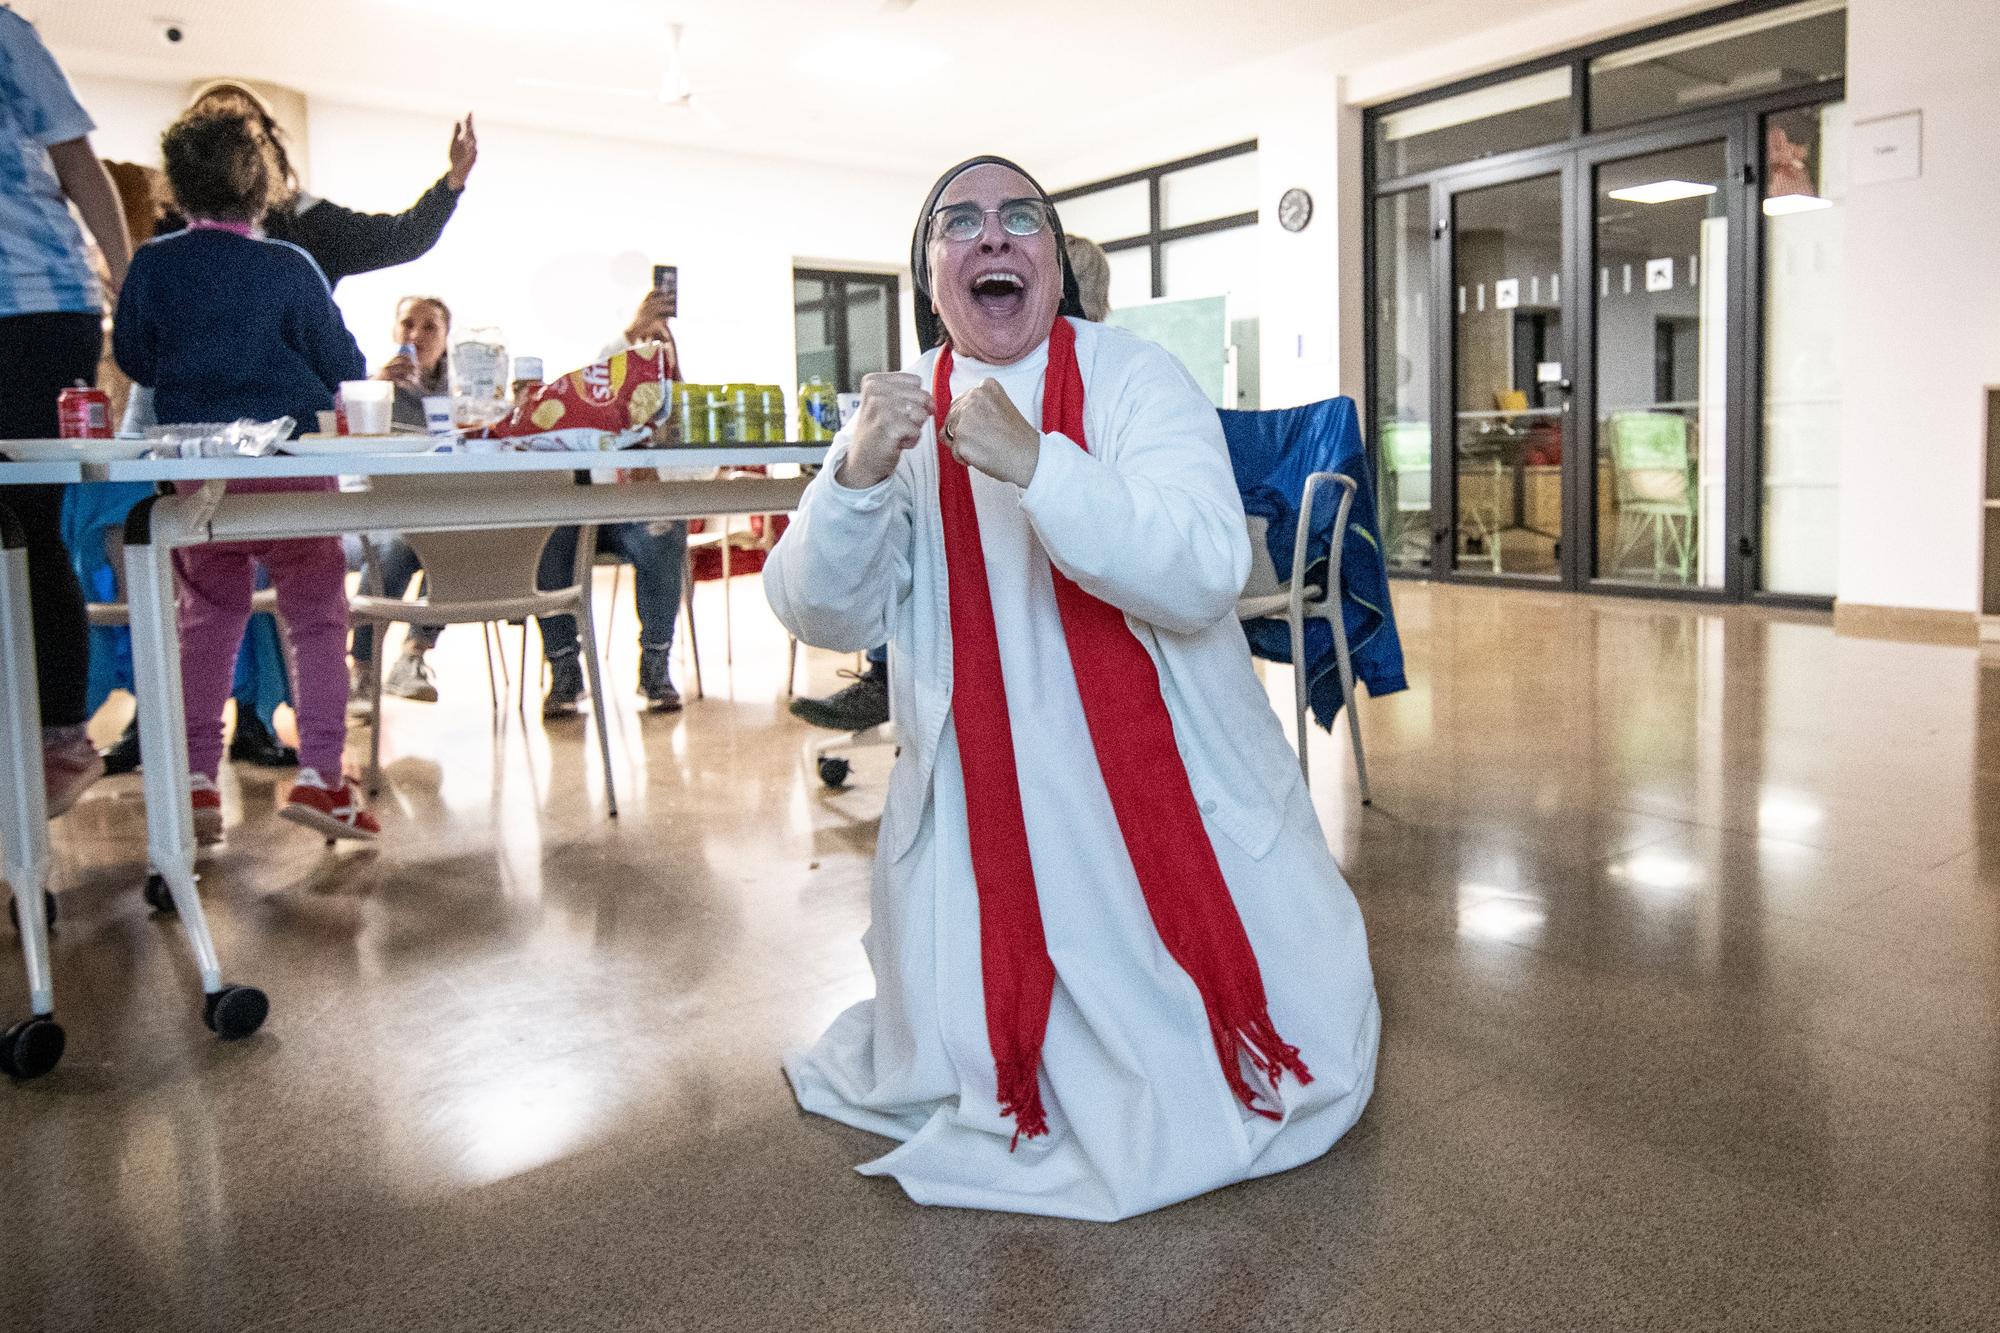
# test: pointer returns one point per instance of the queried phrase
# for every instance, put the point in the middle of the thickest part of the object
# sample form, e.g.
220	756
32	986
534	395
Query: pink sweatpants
309	575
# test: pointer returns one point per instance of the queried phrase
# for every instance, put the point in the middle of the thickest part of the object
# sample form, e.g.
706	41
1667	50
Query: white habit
1139	1113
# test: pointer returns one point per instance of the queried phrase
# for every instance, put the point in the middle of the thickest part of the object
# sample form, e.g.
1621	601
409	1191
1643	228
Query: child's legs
310	574
214	601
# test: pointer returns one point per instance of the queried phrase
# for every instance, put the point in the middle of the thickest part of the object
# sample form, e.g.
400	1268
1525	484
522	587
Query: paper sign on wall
1888	148
1659	275
1507	294
1548	372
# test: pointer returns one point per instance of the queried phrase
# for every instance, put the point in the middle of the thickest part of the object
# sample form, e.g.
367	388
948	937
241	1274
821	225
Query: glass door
1662	293
1510	335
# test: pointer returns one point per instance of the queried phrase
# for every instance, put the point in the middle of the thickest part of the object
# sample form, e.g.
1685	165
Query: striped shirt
43	266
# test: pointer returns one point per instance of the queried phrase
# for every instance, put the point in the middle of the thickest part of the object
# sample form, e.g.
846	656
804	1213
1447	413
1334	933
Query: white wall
555	239
130	115
1923	306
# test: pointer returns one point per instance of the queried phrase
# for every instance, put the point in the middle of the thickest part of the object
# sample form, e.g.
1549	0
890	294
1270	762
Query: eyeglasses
964	222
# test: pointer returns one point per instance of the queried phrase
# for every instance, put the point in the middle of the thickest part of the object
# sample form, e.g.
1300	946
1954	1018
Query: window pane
1222	263
1108	215
868	318
1805	235
1131	276
1507	448
1520	113
815	339
1662	294
1784	48
1218	189
1402	320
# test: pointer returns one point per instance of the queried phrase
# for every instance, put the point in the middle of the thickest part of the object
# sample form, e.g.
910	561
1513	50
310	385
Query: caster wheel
833	772
48	910
234	1012
158	896
31	1048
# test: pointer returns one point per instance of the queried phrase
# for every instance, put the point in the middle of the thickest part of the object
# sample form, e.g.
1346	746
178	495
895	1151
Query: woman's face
997	293
421	324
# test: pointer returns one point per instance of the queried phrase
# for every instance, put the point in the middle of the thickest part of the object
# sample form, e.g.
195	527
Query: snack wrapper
626	394
218	439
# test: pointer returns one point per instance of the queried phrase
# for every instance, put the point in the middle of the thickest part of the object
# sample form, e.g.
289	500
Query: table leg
231	1011
33	1046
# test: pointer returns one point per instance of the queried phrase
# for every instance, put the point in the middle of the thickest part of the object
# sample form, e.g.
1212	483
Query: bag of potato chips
624	396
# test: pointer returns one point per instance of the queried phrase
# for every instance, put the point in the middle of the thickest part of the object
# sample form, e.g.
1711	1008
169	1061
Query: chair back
480	574
1406	447
492	566
1650	460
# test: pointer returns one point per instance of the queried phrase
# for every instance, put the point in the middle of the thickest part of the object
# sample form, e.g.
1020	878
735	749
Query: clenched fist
894	408
984	430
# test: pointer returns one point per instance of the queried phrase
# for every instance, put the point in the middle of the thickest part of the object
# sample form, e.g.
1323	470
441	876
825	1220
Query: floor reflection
1686	925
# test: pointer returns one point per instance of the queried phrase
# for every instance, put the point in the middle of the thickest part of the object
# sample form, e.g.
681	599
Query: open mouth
1000	292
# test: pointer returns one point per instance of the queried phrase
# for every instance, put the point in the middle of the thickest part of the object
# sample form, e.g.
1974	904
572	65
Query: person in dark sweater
340	240
222	322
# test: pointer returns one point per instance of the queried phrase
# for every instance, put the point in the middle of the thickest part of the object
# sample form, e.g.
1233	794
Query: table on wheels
33	1045
434	492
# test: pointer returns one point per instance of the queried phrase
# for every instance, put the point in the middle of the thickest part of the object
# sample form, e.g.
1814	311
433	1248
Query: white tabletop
39	474
443	464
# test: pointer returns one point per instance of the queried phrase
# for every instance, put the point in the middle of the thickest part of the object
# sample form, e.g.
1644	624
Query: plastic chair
1653	487
1264	594
1406	448
487	578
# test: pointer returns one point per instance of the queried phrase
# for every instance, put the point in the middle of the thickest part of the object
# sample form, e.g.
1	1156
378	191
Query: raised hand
894	408
464	152
984	430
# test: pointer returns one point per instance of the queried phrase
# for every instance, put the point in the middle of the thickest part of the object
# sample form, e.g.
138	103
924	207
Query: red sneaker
207	809
334	811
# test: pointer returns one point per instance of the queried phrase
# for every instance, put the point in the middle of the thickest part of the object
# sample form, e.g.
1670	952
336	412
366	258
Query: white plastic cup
329	423
437	414
370	405
850	403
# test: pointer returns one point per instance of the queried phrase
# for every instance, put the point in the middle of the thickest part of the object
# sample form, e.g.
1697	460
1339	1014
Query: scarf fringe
1021	1098
1258	1040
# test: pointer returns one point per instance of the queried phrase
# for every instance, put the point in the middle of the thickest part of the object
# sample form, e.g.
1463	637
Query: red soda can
84	414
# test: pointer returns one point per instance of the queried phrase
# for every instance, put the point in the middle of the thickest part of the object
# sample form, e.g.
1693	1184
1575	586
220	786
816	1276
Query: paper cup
370	405
329	423
437	414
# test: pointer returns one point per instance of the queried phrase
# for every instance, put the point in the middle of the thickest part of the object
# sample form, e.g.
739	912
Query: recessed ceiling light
1662	192
1780	205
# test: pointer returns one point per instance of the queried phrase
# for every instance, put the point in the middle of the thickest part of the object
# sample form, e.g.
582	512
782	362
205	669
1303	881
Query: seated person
656	551
423	324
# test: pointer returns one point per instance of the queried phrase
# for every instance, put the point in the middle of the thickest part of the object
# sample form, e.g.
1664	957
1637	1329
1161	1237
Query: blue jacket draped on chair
1273	453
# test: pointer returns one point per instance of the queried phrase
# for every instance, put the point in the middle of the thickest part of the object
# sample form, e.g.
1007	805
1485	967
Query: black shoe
655	682
862	705
123	756
565	686
253	743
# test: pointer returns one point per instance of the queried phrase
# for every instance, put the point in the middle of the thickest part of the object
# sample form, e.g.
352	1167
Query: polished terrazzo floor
1686	923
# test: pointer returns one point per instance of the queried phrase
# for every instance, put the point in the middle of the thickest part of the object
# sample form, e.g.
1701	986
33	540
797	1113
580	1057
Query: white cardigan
1148	520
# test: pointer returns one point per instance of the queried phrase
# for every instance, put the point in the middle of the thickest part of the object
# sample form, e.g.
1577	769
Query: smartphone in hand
666	281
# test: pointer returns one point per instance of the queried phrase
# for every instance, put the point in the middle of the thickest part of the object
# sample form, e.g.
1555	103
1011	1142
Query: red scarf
1133	736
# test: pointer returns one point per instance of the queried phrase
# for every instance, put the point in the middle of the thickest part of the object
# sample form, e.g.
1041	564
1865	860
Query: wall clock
1295	209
